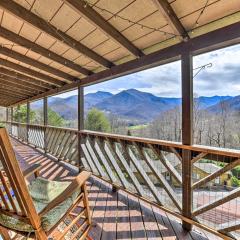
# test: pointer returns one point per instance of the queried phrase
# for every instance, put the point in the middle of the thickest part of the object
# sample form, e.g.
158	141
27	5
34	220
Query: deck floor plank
179	231
115	215
151	226
99	212
110	226
136	220
123	218
164	224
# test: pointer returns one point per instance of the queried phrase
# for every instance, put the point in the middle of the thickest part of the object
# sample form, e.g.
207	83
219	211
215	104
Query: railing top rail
42	126
197	148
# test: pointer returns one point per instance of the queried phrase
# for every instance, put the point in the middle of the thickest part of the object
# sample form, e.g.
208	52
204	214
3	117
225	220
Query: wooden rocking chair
37	209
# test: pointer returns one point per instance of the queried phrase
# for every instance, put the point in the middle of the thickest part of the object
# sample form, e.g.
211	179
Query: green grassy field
137	127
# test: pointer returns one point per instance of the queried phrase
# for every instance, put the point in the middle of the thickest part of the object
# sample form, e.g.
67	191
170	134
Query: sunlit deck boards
115	215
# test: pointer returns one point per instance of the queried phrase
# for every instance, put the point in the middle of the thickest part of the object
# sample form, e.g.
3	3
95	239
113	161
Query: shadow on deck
115	215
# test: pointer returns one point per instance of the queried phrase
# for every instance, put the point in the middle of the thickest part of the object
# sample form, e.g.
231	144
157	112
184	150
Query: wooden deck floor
115	215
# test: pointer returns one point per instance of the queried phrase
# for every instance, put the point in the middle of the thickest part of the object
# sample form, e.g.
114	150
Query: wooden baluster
62	144
69	139
72	143
96	161
114	158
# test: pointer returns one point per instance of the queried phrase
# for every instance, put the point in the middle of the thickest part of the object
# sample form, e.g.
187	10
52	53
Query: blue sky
223	78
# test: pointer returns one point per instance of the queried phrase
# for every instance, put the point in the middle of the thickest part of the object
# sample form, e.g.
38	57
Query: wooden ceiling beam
27	86
9	95
171	17
98	21
2	98
17	39
31	82
32	62
44	86
22	90
41	24
35	74
5	103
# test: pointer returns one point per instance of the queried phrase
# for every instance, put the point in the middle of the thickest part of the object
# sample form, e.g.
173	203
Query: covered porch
141	188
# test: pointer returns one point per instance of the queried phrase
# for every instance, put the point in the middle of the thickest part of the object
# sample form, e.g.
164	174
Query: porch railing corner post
187	135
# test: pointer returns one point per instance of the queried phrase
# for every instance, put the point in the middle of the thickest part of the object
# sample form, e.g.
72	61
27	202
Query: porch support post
18	121
11	109
28	120
18	113
45	121
11	120
7	114
6	122
80	124
187	135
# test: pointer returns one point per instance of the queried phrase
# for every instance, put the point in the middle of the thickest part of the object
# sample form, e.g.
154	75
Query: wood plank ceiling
48	44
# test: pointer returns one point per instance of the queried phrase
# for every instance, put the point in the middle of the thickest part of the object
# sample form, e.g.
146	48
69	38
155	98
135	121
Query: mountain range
134	105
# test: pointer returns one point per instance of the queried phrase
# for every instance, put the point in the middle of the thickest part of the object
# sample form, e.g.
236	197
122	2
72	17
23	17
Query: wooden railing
151	169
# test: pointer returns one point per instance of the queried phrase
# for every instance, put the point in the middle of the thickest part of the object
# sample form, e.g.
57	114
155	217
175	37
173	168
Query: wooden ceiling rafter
41	66
21	83
166	9
43	77
4	92
22	89
17	39
10	99
4	102
98	21
24	78
8	96
27	16
10	93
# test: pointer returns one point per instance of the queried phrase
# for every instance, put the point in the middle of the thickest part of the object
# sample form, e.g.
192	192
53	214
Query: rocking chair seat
43	191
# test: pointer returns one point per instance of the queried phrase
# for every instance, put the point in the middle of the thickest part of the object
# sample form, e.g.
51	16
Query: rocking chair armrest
33	169
75	185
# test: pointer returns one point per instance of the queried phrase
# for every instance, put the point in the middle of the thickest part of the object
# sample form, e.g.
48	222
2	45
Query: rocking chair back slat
11	186
8	192
13	190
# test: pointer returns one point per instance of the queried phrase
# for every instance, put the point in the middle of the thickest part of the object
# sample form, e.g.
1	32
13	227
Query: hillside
207	102
232	104
136	105
132	104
